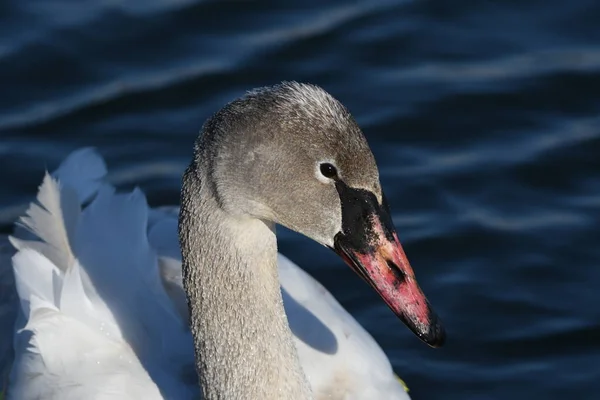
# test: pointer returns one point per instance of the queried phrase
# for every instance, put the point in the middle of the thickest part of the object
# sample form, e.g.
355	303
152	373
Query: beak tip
438	339
436	335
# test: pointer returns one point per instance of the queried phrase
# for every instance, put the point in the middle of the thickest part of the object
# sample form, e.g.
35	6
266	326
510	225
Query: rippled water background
483	116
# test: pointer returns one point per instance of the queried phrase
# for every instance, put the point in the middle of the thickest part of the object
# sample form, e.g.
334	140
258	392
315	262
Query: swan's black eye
328	171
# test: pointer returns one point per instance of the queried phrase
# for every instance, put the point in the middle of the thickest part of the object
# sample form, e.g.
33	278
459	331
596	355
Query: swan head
293	155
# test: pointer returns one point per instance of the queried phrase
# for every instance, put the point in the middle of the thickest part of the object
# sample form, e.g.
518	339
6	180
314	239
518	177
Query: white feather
61	358
35	275
84	171
107	318
53	220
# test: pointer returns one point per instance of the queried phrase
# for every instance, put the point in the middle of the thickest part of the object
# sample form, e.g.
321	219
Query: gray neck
243	343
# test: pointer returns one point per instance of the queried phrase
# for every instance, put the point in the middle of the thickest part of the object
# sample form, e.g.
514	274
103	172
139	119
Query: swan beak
370	246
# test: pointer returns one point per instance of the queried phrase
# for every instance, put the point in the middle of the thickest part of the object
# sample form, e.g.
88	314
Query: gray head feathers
290	126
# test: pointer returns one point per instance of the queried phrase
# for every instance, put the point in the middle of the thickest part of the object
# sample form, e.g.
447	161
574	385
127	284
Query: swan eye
328	170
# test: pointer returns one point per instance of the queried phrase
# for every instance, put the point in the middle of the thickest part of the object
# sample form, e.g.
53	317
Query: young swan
292	155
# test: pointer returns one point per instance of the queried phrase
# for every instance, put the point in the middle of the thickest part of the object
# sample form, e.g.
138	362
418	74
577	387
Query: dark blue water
484	118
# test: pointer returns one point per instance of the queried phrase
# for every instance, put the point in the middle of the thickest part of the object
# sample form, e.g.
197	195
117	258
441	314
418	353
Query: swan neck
243	343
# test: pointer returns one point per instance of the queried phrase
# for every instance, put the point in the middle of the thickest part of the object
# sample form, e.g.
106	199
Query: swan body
118	300
71	344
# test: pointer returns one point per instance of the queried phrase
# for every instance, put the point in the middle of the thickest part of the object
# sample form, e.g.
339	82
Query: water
484	119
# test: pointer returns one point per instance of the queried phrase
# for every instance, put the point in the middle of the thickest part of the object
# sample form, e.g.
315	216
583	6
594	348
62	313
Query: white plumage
104	314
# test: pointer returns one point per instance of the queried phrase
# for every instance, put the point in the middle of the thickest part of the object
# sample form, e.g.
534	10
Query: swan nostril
398	273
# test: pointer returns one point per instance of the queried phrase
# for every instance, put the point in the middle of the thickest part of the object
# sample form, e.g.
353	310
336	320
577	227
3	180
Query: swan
118	300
